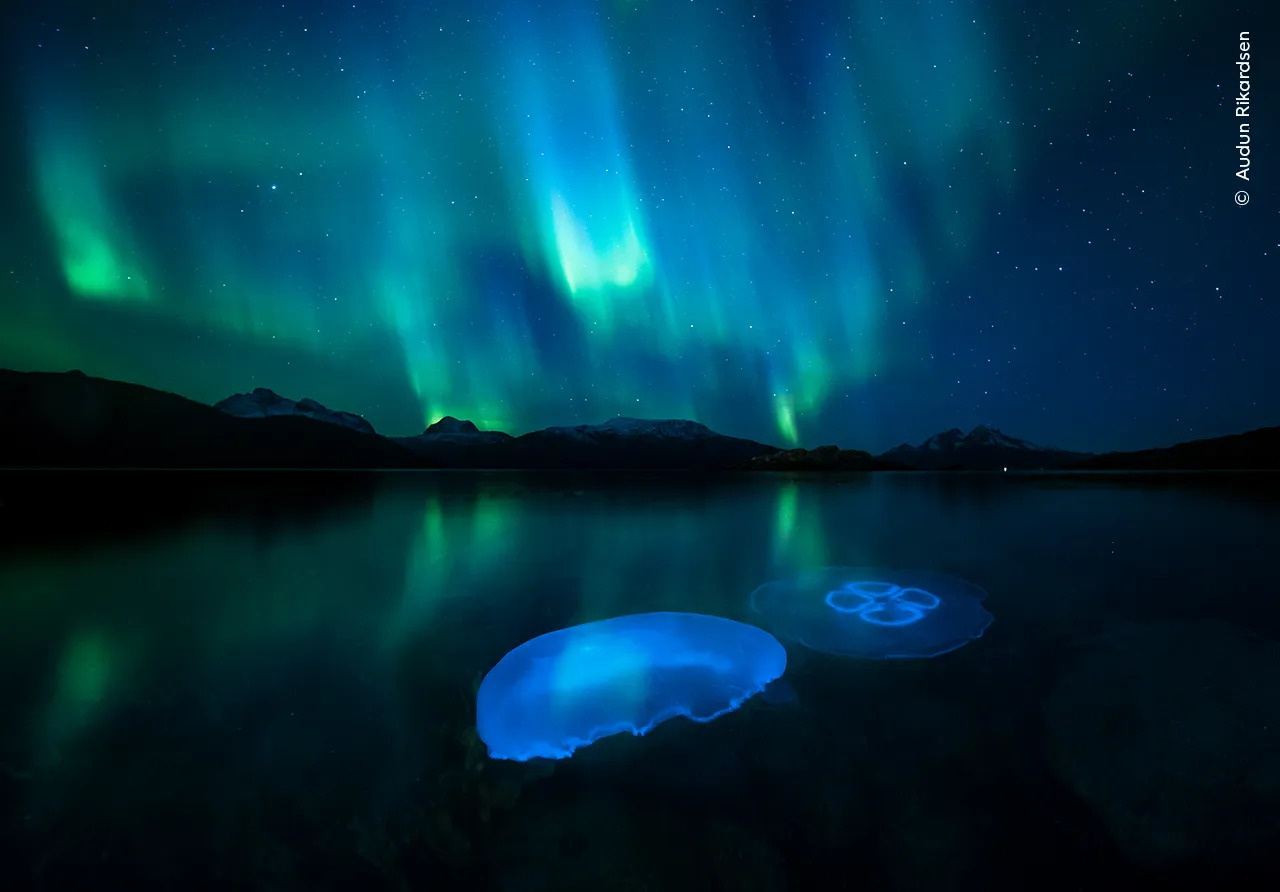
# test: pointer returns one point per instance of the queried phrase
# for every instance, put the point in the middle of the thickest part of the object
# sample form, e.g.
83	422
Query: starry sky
857	222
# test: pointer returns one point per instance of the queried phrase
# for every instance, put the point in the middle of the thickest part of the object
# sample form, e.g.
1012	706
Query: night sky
857	222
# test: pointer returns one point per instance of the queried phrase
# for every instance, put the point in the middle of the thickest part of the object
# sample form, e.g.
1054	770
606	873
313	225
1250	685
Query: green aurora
750	215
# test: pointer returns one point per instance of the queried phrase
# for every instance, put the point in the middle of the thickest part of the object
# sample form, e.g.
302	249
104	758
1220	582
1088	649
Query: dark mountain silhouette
982	449
634	443
463	431
452	443
61	420
264	403
622	443
824	458
71	420
1254	450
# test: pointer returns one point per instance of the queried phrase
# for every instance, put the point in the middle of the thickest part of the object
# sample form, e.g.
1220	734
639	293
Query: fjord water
269	682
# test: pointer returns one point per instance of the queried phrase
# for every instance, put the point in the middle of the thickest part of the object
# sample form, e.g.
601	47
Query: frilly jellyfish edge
562	691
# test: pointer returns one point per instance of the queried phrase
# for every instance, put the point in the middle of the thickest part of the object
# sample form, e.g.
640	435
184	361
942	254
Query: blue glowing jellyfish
566	689
874	614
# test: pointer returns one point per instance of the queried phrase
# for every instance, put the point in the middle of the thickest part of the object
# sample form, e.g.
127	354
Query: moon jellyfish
569	688
873	613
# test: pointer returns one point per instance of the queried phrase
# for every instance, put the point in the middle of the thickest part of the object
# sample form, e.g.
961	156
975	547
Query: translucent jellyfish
873	613
569	688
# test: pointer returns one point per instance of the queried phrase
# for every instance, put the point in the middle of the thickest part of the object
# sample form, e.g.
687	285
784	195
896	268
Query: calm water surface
269	682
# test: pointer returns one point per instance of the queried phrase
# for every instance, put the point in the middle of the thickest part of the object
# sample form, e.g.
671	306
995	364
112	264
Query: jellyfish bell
567	689
873	613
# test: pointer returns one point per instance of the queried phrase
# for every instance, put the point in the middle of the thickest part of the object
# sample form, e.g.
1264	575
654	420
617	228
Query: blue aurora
874	613
569	688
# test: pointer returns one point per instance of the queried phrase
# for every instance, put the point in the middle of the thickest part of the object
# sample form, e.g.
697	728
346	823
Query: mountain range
621	443
982	449
61	420
264	403
71	420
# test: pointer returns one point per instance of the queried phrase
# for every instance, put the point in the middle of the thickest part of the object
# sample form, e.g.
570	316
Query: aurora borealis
855	222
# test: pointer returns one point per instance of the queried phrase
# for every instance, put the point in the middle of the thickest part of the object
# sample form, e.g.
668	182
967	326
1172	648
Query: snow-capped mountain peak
670	428
264	403
990	436
945	440
984	447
